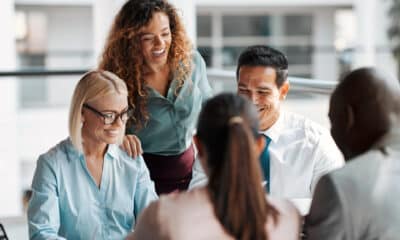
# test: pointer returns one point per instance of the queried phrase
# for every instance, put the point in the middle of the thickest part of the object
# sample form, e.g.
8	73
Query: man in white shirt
360	200
299	151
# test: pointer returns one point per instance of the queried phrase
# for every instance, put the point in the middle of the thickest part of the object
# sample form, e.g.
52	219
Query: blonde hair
93	84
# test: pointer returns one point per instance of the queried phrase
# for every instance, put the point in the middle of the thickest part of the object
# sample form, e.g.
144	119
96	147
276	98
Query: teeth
113	132
159	52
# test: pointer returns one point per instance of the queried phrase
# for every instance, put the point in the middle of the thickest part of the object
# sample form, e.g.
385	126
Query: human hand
131	145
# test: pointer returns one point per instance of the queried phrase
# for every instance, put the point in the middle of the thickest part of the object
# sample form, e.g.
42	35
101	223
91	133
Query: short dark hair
261	55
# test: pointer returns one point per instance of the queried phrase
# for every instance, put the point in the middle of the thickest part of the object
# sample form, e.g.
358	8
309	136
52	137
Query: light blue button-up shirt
170	128
66	202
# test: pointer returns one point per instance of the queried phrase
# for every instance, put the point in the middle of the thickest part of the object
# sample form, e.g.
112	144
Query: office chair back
3	234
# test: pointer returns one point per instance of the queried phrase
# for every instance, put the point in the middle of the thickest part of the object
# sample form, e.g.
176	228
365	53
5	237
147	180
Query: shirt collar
112	151
72	151
274	132
153	93
390	139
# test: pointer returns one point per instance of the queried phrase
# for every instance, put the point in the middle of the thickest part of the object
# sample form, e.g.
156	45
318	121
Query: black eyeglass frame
111	115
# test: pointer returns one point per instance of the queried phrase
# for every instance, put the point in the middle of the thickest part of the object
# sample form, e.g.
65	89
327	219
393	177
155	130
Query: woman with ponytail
234	204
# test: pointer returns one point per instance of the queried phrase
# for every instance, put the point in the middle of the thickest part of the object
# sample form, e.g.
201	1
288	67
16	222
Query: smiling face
94	130
258	83
155	39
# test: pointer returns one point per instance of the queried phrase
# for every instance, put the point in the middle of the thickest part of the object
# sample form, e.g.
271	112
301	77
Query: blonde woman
86	187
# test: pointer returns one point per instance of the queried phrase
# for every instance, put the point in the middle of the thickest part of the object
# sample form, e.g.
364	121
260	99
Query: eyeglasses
110	117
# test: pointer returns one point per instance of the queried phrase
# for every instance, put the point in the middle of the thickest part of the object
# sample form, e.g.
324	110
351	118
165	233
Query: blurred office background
322	39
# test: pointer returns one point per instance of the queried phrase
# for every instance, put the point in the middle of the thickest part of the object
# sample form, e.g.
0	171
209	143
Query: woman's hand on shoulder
131	145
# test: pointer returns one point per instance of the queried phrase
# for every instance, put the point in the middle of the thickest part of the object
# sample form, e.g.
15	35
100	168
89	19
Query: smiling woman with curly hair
167	83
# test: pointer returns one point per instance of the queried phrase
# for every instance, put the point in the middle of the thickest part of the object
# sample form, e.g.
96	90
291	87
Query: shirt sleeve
199	177
328	157
200	73
145	191
43	210
326	217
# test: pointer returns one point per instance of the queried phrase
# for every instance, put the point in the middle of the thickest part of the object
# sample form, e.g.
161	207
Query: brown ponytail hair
228	128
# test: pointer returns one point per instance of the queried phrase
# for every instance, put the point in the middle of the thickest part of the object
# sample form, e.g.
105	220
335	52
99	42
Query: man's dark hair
260	55
371	97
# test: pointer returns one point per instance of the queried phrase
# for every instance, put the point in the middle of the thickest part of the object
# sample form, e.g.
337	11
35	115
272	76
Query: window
223	35
245	25
300	25
31	36
21	30
204	26
32	90
298	54
230	55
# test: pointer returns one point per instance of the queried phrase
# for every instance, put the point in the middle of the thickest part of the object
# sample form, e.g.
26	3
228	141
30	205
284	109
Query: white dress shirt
301	151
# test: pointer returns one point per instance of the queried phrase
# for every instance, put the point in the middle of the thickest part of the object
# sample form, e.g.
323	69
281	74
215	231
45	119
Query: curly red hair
122	54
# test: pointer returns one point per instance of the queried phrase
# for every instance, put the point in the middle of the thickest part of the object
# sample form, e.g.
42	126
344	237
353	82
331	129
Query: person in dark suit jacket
360	200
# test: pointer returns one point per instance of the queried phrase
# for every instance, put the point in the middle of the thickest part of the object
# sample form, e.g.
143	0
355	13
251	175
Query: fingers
132	145
126	146
138	145
135	145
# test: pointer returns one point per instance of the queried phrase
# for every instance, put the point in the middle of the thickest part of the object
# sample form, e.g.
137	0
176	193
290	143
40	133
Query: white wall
55	2
70	44
384	58
187	10
10	200
69	32
324	61
298	3
38	131
104	12
365	12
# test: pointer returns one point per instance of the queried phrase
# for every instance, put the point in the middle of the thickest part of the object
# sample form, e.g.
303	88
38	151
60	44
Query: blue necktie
265	164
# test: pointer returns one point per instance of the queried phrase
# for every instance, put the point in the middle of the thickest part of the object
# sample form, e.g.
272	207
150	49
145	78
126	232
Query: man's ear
260	145
283	90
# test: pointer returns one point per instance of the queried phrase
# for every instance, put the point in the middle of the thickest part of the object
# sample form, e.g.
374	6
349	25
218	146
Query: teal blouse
173	118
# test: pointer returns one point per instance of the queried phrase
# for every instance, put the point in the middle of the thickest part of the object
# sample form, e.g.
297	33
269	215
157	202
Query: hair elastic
235	120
